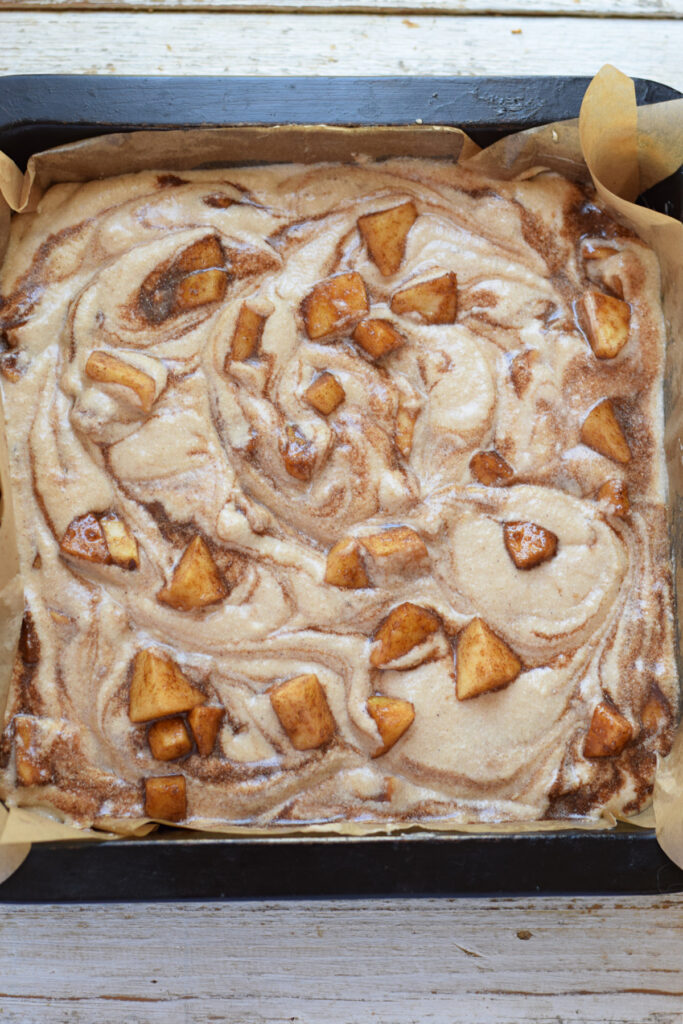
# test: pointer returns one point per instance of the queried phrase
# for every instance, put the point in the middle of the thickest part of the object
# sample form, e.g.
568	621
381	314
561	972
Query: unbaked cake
340	498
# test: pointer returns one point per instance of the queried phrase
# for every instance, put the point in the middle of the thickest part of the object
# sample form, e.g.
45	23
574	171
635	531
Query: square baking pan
39	112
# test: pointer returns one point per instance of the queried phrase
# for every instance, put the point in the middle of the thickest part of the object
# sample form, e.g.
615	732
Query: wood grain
347	44
573	8
498	961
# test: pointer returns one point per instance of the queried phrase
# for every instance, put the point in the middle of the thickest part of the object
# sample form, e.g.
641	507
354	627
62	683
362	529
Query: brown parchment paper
624	149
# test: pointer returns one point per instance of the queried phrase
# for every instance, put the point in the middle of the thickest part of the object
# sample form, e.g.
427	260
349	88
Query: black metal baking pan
41	111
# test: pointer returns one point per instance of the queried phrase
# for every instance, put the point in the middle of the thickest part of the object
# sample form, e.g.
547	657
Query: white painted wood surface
495	961
404	962
341	44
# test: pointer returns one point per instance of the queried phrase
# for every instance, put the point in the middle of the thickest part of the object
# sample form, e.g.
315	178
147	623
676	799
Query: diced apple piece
200	289
205	723
435	301
401	541
196	582
121	543
484	662
529	544
405	426
169	739
405	627
29	771
601	431
84	538
345	565
392	718
166	798
108	369
204	254
615	493
608	734
334	305
597	251
491	469
303	711
606	321
325	394
247	335
385	234
377	337
298	454
158	688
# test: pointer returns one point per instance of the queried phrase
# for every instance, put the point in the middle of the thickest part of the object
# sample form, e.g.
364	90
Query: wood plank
402	961
268	44
573	8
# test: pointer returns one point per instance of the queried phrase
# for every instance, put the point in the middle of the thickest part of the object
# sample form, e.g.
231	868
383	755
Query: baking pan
38	112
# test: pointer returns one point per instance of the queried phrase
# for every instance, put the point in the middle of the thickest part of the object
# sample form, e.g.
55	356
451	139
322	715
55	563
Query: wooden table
492	960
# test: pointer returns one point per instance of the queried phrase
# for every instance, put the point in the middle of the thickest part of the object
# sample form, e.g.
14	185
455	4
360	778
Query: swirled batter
258	436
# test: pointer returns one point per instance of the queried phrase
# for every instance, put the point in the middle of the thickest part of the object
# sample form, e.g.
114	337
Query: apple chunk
529	544
166	798
615	494
405	627
491	469
169	739
334	305
400	547
435	301
247	335
158	688
385	234
196	582
602	432
325	394
200	289
404	429
608	734
605	321
108	369
484	662
345	565
84	538
205	723
301	706
392	717
377	337
121	543
298	454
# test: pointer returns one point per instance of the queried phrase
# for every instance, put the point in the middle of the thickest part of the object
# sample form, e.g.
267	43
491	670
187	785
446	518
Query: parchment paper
625	150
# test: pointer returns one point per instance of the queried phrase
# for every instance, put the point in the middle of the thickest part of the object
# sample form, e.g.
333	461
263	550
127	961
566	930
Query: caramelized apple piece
247	335
196	582
84	538
204	254
396	541
435	301
325	394
484	662
608	734
601	431
597	251
491	469
334	305
303	711
166	798
298	454
108	369
121	543
405	426
205	723
392	718
377	337
29	771
606	321
615	493
385	234
345	565
158	688
169	739
200	289
405	627
529	544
